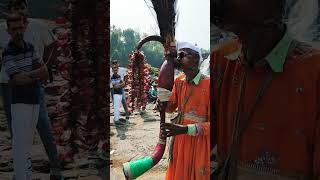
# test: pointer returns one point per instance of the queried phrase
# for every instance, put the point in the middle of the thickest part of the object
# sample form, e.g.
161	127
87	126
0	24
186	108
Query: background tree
123	42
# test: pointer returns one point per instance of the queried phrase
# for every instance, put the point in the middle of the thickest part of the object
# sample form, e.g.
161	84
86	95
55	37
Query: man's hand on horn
170	129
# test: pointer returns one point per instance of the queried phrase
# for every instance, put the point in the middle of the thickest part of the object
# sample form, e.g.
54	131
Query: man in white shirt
40	36
122	72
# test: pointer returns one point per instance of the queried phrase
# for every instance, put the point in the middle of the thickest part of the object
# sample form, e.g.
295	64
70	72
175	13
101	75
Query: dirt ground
137	139
131	141
84	167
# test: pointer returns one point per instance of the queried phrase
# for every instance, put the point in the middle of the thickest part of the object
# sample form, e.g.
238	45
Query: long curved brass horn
134	169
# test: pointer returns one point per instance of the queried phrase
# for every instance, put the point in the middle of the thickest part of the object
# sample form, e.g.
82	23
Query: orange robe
284	133
191	154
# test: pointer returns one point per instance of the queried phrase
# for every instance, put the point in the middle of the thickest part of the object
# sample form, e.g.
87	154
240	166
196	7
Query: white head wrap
183	45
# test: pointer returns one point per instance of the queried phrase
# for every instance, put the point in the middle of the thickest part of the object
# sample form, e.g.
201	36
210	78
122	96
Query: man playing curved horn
190	145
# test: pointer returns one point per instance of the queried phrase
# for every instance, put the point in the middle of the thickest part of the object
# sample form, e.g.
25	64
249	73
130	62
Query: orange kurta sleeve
203	128
206	128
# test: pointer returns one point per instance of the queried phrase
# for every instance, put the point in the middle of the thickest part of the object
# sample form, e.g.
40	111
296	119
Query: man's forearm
122	85
41	73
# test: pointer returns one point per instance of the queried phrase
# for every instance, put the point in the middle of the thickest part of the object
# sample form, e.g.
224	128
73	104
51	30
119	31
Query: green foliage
123	42
153	71
153	52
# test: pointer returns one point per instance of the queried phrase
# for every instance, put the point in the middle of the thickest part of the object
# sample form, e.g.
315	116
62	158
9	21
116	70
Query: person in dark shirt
117	85
25	70
122	73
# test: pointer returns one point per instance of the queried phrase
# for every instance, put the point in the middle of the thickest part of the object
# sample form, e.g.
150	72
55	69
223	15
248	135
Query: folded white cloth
116	105
24	122
163	94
